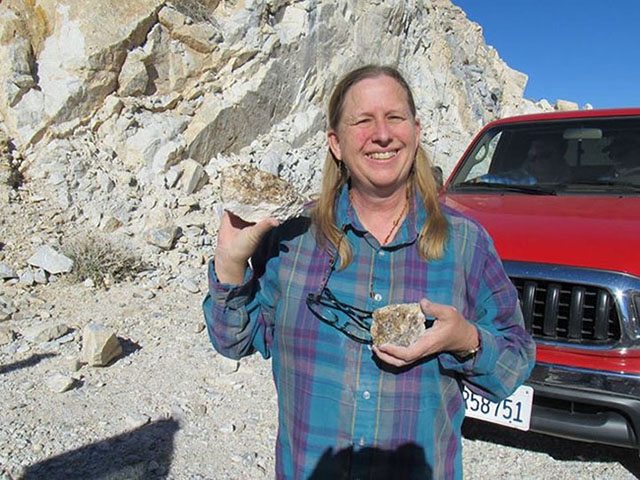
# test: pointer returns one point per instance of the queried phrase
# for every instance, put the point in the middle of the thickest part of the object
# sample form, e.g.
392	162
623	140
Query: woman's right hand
237	241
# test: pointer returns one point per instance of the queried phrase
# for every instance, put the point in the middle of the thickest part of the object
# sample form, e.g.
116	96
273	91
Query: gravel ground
172	408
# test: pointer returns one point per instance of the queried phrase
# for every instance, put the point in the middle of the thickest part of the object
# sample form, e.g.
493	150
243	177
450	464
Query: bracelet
468	355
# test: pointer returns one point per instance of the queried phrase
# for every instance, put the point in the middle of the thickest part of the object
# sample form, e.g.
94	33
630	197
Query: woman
376	236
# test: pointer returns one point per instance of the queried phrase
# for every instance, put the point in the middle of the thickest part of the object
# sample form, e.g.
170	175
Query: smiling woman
356	100
377	138
375	237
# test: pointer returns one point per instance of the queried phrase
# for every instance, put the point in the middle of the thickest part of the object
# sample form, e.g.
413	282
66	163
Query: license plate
514	411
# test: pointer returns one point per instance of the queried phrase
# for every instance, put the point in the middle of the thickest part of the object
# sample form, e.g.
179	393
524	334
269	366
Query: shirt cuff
483	362
233	296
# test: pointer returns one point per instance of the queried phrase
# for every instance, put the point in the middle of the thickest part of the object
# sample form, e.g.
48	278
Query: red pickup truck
560	195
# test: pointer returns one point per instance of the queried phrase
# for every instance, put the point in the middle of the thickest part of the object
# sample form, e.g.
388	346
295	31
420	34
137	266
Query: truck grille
562	311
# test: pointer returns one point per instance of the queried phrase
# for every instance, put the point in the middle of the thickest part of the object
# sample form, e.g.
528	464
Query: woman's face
377	137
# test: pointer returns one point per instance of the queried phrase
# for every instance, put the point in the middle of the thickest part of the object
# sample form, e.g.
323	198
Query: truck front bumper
586	405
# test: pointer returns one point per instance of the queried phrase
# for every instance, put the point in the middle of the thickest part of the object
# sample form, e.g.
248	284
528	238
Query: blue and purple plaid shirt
342	412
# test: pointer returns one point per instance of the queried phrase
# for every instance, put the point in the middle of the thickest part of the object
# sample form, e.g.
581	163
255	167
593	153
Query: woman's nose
382	132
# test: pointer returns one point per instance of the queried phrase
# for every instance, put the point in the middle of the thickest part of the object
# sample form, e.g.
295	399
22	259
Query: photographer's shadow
407	462
143	453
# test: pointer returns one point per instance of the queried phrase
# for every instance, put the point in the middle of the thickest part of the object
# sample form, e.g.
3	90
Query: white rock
193	176
99	345
40	276
163	238
27	278
105	182
253	194
134	78
173	175
6	272
190	285
566	105
227	427
136	420
50	260
227	365
294	24
45	333
59	383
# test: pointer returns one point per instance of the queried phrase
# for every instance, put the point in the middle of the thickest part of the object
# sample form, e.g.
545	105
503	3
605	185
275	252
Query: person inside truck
302	293
624	152
544	164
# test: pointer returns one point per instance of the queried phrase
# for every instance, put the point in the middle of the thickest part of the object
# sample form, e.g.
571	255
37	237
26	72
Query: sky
586	51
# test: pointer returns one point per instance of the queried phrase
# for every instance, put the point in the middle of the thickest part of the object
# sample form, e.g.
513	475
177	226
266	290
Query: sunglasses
354	322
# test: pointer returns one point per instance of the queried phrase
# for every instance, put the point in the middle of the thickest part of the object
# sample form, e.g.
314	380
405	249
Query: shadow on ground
29	362
143	453
557	448
128	346
407	461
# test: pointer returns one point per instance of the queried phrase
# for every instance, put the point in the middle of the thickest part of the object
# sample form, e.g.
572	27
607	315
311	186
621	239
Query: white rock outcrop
110	110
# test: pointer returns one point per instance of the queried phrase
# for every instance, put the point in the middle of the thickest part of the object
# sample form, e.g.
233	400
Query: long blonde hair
335	175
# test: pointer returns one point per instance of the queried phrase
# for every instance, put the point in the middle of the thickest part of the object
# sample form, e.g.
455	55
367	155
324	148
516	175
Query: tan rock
7	335
566	105
398	324
99	345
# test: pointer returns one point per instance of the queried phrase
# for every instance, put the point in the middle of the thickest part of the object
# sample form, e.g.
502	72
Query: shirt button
381	253
377	297
366	395
362	442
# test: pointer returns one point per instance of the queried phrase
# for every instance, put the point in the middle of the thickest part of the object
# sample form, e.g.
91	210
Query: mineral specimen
253	194
399	324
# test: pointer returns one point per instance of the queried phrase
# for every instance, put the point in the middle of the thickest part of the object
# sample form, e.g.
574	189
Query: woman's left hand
450	332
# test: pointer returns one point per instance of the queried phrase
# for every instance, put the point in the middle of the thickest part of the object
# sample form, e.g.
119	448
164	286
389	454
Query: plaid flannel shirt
341	412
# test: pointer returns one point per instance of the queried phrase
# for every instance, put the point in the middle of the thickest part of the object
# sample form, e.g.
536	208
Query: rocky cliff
118	116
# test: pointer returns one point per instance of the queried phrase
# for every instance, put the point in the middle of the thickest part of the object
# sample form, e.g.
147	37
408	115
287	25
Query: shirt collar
346	217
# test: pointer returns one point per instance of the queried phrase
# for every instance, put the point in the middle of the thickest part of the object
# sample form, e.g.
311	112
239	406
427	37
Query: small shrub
97	258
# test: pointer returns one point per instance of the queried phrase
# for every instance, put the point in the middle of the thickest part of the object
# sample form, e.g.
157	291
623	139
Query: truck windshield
568	156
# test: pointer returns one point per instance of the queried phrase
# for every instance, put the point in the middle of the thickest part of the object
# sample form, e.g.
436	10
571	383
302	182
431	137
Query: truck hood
586	231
